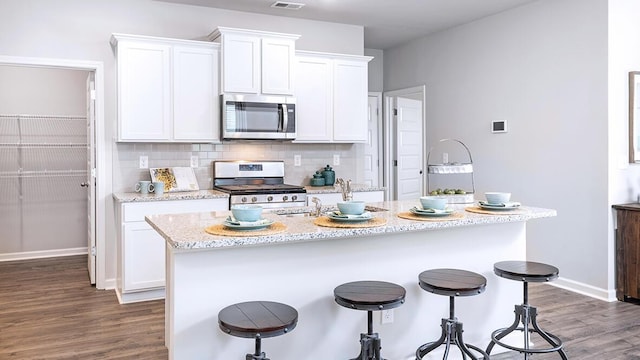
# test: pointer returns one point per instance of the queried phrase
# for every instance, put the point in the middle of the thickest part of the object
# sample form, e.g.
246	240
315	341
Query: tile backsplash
313	157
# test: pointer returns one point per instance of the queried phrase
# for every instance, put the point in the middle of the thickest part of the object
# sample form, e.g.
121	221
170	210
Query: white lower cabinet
141	250
334	198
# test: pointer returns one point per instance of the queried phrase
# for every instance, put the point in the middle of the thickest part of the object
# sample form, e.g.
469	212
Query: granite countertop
336	189
186	231
182	195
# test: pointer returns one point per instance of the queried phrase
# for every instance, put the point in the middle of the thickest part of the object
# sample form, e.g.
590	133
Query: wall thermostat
499	126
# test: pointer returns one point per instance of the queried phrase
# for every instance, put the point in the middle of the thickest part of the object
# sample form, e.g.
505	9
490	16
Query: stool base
526	315
370	343
262	356
451	335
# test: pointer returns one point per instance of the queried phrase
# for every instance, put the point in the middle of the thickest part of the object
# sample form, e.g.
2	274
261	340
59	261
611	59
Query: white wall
80	30
376	69
543	68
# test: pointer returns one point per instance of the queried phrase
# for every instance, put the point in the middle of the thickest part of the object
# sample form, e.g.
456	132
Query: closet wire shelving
43	161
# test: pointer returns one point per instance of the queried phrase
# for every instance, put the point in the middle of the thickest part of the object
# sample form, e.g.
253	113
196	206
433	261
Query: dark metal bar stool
526	271
452	283
370	296
257	319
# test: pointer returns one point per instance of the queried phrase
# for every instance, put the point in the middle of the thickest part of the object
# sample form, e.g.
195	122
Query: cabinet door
144	91
314	118
350	101
278	56
143	257
195	94
241	63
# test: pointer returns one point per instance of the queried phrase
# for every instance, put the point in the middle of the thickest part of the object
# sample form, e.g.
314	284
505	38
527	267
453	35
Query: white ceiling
387	23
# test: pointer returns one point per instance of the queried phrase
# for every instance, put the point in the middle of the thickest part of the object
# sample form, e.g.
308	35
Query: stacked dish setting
498	201
350	211
432	206
246	217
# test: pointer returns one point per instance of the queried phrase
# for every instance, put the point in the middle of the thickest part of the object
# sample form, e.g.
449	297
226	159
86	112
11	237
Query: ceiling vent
287	5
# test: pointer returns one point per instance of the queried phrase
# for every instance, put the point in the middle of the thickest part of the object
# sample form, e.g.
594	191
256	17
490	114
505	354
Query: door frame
379	140
97	67
390	131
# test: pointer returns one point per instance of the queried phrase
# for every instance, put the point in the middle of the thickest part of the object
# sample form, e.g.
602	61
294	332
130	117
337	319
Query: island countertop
187	231
125	197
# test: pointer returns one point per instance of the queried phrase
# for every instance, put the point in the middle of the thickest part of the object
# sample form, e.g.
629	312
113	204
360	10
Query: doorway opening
51	162
405	143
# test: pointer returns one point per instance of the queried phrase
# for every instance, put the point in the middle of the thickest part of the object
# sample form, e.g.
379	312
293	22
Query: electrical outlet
336	159
297	160
195	160
445	158
386	316
144	162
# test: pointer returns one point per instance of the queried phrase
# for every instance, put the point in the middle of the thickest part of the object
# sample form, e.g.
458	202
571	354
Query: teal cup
158	188
144	187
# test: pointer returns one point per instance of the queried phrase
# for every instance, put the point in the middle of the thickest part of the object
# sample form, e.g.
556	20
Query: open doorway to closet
47	159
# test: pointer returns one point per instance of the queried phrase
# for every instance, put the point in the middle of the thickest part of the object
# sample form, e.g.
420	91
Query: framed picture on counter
175	178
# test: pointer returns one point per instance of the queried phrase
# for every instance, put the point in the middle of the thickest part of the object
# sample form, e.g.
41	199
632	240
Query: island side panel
200	283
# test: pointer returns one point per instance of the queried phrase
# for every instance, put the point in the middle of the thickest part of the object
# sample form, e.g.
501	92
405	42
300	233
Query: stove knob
244	199
285	198
294	198
269	198
254	199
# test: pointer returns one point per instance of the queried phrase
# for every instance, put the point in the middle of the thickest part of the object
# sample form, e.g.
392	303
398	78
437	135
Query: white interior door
409	149
372	146
90	182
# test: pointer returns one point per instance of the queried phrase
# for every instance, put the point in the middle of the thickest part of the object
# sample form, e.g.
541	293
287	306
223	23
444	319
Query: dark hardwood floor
48	311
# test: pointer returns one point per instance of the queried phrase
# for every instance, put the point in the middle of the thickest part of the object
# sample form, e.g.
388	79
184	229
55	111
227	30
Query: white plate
507	206
257	225
337	216
430	212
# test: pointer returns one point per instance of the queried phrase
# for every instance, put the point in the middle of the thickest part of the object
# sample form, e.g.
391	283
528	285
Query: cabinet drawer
137	211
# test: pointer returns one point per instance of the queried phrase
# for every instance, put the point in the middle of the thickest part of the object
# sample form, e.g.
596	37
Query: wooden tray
220	229
326	222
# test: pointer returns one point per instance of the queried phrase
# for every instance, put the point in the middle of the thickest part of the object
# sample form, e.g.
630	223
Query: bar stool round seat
257	319
525	314
369	296
452	283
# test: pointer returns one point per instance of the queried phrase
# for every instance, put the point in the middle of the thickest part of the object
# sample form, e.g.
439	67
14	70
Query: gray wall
376	68
543	68
80	30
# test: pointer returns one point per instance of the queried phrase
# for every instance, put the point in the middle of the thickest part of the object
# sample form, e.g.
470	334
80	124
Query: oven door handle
284	118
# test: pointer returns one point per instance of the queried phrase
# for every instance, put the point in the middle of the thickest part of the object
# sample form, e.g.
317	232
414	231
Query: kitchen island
302	265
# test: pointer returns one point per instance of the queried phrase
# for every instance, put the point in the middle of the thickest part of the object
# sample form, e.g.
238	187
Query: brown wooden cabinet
628	252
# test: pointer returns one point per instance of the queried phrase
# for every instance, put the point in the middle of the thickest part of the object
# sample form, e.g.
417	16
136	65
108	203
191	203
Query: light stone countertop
182	195
186	231
336	189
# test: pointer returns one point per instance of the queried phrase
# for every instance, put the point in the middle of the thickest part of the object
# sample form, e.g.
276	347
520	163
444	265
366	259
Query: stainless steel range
257	182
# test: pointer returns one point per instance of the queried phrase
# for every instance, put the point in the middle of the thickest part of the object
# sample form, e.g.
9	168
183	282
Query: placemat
411	216
326	222
220	229
479	210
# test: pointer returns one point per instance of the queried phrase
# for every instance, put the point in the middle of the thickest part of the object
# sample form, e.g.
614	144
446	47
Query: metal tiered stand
451	168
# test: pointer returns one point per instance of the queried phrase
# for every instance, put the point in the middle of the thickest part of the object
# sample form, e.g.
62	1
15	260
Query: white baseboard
585	289
109	284
43	254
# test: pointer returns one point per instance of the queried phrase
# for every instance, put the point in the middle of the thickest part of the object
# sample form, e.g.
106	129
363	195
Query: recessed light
287	5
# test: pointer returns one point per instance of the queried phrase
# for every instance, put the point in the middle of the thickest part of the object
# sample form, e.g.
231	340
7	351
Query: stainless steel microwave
258	117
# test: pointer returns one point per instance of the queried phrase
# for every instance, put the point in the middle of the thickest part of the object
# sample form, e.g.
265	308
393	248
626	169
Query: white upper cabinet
256	62
314	99
196	106
331	98
144	90
167	89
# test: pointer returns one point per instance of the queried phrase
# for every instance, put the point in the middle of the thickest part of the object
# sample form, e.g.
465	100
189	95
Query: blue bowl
433	202
351	207
246	212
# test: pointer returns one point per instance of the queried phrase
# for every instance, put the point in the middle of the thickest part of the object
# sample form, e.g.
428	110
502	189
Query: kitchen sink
306	212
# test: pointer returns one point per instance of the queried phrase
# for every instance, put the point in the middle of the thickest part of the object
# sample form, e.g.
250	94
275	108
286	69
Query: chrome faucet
347	194
318	210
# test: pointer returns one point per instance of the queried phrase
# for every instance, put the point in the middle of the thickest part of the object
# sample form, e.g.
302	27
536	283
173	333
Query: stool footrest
526	315
451	335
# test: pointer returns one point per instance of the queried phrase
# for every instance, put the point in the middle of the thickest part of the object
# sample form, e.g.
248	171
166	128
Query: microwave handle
284	118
